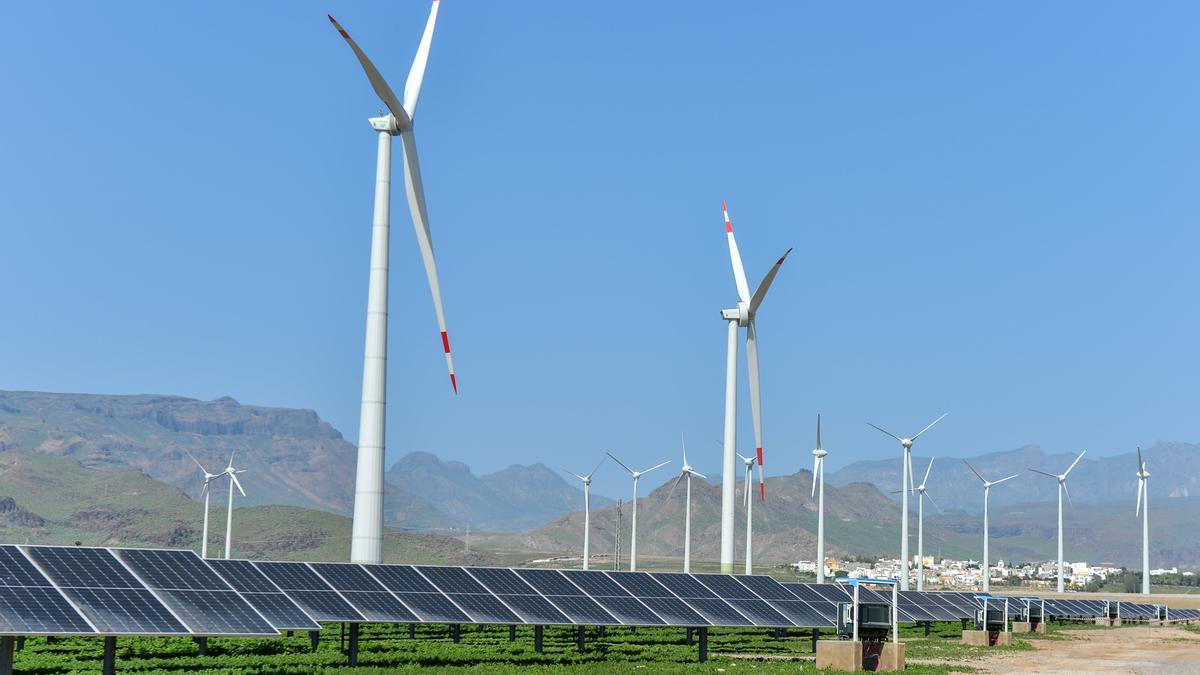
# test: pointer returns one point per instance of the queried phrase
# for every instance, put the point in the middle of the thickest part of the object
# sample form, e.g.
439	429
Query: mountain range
133	480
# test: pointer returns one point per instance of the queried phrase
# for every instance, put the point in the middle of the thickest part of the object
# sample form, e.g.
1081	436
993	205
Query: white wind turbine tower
233	482
749	504
685	474
1062	488
742	315
587	510
1143	505
987	488
367	536
633	519
819	478
906	486
208	478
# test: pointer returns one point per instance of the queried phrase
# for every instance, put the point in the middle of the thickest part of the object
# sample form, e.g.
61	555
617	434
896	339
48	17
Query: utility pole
617	557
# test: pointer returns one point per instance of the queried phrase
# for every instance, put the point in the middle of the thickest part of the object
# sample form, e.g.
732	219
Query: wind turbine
233	481
1143	505
906	486
367	536
921	497
1062	488
208	478
587	509
749	503
742	315
633	519
987	488
686	474
819	477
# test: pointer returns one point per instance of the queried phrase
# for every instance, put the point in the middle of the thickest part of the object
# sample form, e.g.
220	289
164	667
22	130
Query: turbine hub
819	452
907	443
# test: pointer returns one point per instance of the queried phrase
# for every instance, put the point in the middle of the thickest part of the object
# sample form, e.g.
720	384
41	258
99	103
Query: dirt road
1148	650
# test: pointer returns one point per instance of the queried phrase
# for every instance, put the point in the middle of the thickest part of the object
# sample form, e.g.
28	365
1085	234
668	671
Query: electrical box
874	621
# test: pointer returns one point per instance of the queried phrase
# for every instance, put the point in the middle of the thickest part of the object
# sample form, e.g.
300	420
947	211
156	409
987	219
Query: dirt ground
1134	649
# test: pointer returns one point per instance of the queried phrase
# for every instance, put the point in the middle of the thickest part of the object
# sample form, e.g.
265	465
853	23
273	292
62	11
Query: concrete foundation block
983	638
892	657
839	655
1021	627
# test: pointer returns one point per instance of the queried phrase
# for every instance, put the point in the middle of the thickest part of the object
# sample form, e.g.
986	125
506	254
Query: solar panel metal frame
365	594
659	599
475	602
742	598
705	602
614	598
523	599
87	598
572	600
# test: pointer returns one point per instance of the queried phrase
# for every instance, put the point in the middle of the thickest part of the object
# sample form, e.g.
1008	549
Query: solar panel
613	598
309	591
519	596
718	612
478	602
658	599
797	611
744	600
363	592
29	603
683	585
106	593
257	589
197	595
428	603
568	598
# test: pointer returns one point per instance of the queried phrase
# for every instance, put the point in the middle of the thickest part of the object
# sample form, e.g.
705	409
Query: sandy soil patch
1134	649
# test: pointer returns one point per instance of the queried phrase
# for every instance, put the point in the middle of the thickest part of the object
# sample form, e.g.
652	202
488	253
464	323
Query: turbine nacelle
741	314
390	124
819	453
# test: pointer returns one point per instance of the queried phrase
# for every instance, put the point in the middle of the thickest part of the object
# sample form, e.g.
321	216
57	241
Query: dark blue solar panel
535	609
583	610
595	583
38	610
243	576
292	576
325	606
451	579
401	578
434	608
765	587
379	606
79	567
485	608
802	614
346	577
725	586
629	610
675	611
16	570
683	585
281	611
640	585
718	612
501	581
549	582
759	612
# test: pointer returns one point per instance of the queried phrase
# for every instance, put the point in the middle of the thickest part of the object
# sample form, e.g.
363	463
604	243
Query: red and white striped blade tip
446	349
338	26
725	210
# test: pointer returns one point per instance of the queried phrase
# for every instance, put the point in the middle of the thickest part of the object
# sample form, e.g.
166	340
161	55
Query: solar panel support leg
703	644
537	639
580	637
412	631
690	642
455	632
816	635
6	655
512	633
603	631
109	665
201	645
352	657
314	636
21	641
928	625
289	633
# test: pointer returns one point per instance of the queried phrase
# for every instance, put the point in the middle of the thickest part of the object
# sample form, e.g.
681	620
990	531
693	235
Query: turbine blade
683	442
1044	473
819	432
416	204
206	470
656	466
908	459
619	462
1067	492
674	485
416	75
234	479
746	487
739	273
1141	464
927	470
1068	471
816	465
380	85
1141	488
934	503
571	473
697	473
597	467
929	427
755	400
974	471
230	466
884	431
761	291
1004	479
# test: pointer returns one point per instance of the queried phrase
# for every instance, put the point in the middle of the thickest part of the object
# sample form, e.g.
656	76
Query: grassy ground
384	648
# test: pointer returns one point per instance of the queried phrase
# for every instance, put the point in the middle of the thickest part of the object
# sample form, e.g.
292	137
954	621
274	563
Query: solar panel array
55	590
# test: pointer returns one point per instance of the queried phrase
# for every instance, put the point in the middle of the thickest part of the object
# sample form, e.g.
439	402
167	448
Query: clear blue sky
994	209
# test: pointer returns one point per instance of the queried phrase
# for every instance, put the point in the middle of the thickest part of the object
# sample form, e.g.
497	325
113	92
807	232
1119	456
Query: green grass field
384	648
